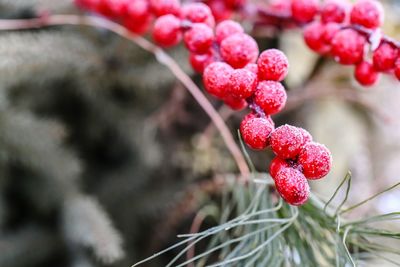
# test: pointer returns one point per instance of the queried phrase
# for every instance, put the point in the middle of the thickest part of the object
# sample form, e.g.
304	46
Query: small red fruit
348	47
255	131
167	31
276	165
216	79
272	65
270	96
200	61
137	11
198	39
384	57
239	49
366	74
235	103
198	13
243	83
286	141
316	160
227	28
220	10
334	11
313	36
367	13
304	10
292	186
252	67
165	7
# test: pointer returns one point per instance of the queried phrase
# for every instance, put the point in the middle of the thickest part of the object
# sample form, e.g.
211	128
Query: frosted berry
198	39
252	67
286	141
235	103
330	30
138	27
164	7
227	28
198	13
334	11
270	96
112	8
216	79
272	65
137	10
348	47
292	186
397	69
304	10
366	74
367	13
239	49
384	57
220	10
167	31
276	165
316	160
307	138
243	83
314	37
255	131
200	61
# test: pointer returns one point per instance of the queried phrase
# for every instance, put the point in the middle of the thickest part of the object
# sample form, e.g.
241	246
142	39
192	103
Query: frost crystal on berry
292	186
316	160
270	96
272	65
286	141
216	78
255	131
239	49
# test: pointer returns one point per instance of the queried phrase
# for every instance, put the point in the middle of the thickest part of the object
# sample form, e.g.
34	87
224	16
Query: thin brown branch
196	224
160	55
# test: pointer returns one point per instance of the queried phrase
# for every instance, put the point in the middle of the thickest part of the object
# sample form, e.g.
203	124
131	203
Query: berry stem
161	56
255	108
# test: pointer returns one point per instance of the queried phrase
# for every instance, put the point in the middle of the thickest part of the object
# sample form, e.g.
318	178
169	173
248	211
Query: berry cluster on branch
349	33
235	72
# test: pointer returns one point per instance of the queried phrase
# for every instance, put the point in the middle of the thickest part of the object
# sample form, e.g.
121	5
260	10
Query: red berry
255	131
235	3
198	39
243	83
198	13
313	36
307	138
286	141
270	96
227	28
252	67
304	10
367	13
272	65
137	11
220	10
348	47
334	11
316	160
138	27
366	74
216	79
167	31
330	30
384	57
292	186
200	61
235	103
276	165
397	69
112	8
239	49
164	7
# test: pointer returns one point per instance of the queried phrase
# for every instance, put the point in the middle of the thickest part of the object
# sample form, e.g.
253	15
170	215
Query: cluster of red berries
351	34
235	72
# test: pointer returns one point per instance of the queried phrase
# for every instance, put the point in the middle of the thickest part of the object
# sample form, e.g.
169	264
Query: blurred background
100	145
